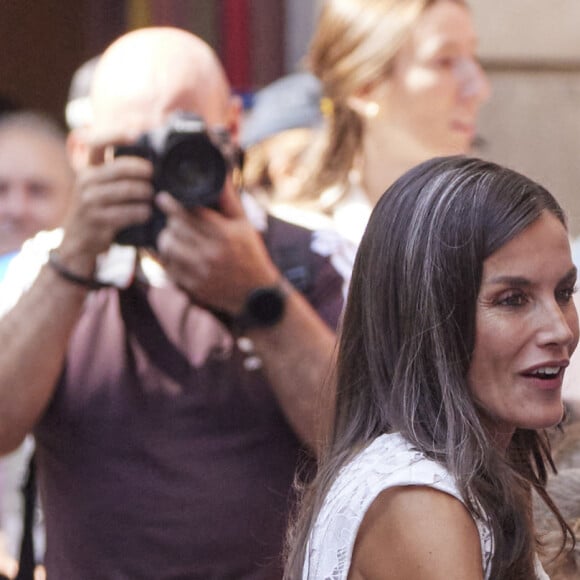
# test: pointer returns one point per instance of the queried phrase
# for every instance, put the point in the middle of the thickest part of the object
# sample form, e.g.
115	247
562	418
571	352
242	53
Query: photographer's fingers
170	206
215	258
110	197
119	217
230	201
195	226
123	183
208	222
182	225
230	205
122	191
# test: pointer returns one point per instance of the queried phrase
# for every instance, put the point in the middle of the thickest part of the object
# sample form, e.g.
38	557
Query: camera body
190	162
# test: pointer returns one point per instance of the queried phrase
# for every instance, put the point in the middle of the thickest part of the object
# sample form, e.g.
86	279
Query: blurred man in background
171	399
36	179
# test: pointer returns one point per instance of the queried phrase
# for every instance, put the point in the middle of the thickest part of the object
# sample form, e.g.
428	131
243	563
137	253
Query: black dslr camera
190	162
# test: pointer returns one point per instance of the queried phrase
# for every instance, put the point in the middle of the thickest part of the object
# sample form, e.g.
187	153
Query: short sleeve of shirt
115	267
24	268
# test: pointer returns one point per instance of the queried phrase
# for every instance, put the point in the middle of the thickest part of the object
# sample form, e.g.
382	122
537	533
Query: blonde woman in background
401	84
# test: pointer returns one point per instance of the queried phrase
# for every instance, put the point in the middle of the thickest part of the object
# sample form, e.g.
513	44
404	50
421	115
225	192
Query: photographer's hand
110	196
218	258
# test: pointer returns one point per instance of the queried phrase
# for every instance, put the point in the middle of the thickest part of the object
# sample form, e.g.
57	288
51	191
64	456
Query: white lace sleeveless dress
388	461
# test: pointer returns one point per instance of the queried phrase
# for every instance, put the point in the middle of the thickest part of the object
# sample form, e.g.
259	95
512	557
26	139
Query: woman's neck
375	180
381	164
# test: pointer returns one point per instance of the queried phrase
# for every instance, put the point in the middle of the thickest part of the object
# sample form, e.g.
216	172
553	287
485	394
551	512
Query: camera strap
27	562
289	248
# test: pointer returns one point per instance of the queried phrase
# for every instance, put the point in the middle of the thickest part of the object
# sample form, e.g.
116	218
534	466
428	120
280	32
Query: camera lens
193	171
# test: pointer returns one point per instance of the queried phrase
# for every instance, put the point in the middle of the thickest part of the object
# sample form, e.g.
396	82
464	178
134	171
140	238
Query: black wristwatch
264	307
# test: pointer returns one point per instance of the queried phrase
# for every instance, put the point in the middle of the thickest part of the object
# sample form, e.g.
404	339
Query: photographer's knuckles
110	196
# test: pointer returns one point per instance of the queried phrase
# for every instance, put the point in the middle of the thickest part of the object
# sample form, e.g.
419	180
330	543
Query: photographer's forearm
297	357
34	337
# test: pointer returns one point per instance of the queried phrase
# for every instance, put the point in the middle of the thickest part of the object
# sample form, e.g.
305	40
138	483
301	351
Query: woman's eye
515	299
445	62
566	294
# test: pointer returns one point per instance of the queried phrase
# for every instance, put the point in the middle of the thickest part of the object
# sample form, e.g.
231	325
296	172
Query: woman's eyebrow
571	275
521	281
509	280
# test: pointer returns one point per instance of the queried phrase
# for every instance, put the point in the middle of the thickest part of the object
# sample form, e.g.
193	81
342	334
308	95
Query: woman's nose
558	327
473	82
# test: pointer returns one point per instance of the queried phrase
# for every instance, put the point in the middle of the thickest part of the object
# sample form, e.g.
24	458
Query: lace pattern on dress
388	461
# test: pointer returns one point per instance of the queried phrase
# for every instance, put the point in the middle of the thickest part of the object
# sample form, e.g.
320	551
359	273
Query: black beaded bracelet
90	283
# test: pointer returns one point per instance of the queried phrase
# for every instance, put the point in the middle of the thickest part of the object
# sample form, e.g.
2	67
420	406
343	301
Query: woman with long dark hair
458	328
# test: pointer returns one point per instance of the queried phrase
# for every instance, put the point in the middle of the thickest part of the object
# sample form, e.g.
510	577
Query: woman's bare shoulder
416	533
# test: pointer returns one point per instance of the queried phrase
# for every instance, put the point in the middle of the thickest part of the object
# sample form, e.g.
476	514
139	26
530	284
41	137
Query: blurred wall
39	47
301	17
531	50
43	42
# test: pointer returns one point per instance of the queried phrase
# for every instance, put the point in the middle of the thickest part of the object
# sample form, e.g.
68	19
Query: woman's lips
545	382
464	127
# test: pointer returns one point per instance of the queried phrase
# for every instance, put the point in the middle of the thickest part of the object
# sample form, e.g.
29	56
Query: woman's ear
363	106
368	101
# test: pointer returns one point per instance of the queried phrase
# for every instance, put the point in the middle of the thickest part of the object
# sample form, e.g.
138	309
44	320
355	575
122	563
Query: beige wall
531	49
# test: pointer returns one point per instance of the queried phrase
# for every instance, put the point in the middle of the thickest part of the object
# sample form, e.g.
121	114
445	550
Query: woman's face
428	106
526	330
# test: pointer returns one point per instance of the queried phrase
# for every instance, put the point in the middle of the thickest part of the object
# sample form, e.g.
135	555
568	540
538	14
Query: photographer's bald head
149	73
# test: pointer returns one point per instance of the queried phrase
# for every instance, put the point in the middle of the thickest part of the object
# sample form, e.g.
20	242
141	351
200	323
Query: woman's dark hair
407	340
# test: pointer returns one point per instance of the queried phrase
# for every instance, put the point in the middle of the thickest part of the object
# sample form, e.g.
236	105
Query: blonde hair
354	47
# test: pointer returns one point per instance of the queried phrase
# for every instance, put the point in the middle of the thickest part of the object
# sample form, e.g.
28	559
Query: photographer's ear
77	146
86	147
234	117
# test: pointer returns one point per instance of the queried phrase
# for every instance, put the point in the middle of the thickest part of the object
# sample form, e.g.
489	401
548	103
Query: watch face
265	306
